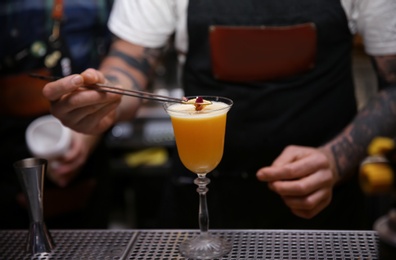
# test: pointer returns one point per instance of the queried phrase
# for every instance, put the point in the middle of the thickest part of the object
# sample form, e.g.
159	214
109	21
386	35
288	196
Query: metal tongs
112	89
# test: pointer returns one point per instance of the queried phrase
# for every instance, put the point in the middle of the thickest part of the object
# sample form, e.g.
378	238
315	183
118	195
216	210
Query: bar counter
163	244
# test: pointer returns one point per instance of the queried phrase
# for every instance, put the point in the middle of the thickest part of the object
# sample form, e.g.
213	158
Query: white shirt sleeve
375	21
148	23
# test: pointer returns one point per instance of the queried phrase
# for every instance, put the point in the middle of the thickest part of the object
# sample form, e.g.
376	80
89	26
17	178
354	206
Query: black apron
307	109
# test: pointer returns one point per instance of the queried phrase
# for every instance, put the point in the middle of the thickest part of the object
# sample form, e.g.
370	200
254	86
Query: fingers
309	207
62	178
91	76
294	162
308	196
81	111
303	178
303	186
55	90
62	173
84	110
64	169
102	118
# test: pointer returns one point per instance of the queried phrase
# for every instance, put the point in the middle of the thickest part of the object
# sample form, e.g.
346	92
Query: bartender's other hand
84	110
64	169
303	177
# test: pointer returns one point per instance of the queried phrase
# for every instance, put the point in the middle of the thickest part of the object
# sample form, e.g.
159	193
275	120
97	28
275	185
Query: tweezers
112	89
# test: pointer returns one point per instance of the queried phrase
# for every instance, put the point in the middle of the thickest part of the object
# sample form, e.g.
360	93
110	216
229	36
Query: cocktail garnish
198	102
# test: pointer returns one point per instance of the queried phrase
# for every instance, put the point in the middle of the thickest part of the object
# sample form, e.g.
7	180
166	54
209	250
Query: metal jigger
30	173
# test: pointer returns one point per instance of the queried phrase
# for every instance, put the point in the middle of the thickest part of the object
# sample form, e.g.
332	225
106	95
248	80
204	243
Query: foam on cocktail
188	110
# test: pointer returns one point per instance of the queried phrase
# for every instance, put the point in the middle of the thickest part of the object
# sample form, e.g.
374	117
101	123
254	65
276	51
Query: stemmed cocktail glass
199	135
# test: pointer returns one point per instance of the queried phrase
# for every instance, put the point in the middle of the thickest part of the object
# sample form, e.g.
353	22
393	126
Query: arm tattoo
385	67
112	78
389	69
376	119
142	65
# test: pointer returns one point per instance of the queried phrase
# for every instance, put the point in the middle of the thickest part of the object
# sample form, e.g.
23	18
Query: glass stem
202	182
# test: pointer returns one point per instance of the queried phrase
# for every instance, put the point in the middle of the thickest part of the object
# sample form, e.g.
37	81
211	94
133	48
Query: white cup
47	138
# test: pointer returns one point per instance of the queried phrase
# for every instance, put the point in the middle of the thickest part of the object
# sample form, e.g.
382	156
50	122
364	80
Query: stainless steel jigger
30	173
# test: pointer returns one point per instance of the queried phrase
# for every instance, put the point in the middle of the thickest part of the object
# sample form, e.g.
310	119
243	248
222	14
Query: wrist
332	164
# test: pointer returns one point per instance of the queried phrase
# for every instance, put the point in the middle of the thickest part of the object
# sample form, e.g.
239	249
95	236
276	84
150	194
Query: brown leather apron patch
260	53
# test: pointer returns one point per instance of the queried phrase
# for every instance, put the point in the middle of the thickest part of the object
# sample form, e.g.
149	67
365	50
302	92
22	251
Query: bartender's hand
84	110
304	177
64	169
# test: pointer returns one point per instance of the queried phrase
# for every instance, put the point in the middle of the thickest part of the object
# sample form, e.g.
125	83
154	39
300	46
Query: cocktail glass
200	141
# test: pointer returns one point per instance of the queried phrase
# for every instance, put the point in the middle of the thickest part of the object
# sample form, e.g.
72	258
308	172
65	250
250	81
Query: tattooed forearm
135	84
143	63
386	67
130	65
378	118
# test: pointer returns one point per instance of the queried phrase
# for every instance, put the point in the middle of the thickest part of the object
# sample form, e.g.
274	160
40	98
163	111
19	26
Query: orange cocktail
199	135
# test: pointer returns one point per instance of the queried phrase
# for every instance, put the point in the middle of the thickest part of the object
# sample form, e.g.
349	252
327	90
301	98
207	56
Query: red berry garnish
199	100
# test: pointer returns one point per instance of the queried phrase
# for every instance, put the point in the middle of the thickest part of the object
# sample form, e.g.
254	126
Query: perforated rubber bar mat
163	244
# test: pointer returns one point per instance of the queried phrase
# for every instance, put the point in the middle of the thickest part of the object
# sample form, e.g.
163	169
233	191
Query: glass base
204	246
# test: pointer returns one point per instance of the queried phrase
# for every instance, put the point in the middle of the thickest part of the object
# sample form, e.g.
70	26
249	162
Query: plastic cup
47	137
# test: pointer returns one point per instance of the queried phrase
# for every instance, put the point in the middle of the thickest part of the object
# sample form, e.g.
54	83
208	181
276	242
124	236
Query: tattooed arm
130	66
91	112
377	118
304	177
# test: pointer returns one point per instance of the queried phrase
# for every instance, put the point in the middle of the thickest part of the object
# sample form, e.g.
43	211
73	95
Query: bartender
294	137
52	38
